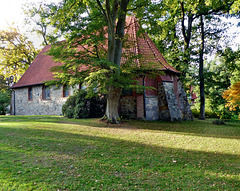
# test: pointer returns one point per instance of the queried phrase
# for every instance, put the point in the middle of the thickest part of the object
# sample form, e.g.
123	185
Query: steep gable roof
38	71
145	48
142	47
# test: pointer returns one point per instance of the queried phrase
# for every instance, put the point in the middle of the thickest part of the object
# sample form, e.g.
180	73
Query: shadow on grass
49	159
202	128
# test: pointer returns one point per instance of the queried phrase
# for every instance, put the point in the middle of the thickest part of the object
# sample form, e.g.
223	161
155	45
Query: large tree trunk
201	77
115	42
112	104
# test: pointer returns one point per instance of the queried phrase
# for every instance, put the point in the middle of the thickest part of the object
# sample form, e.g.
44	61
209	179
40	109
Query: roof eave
24	86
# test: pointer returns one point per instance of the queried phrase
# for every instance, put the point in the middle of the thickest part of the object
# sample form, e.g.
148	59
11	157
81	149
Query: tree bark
120	32
187	33
201	77
112	104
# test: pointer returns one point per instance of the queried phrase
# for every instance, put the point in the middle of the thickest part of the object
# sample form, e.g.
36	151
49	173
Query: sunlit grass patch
51	152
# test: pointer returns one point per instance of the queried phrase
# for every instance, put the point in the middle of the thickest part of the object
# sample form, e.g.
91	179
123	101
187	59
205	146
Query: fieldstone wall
174	110
169	104
38	106
164	113
128	107
152	112
184	105
164	106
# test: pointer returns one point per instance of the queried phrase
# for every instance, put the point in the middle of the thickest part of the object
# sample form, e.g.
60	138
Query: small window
46	92
30	94
65	91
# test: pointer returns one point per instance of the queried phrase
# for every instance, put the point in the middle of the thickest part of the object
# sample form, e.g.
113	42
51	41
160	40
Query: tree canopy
192	29
16	54
185	31
38	17
92	51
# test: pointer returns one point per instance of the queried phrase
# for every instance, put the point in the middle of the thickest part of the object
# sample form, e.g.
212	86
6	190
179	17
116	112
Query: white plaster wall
38	106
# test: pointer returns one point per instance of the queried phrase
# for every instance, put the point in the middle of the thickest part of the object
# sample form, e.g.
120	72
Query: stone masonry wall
38	106
175	113
128	107
152	109
164	113
184	105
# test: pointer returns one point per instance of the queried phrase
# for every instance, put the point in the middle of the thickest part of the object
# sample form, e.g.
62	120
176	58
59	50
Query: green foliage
5	100
195	113
79	106
3	84
38	17
209	113
219	75
16	53
174	26
231	59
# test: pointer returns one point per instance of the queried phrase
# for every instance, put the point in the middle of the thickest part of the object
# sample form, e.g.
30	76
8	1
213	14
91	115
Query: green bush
208	114
78	106
211	114
195	113
5	100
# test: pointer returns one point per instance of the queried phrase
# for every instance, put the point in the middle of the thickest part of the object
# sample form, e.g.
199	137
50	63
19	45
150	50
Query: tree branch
101	8
183	17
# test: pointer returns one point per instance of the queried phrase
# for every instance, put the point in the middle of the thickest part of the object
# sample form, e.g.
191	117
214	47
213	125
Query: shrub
195	113
79	106
5	100
211	114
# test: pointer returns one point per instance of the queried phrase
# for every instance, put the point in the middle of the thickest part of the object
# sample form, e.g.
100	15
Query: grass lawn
54	153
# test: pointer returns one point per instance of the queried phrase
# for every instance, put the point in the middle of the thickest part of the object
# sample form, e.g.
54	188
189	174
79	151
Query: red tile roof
141	47
38	71
148	54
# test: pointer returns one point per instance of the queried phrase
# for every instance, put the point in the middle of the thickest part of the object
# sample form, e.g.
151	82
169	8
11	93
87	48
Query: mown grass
54	153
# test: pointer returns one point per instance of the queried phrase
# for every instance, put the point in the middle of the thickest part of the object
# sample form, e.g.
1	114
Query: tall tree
16	53
207	10
38	16
92	51
198	21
